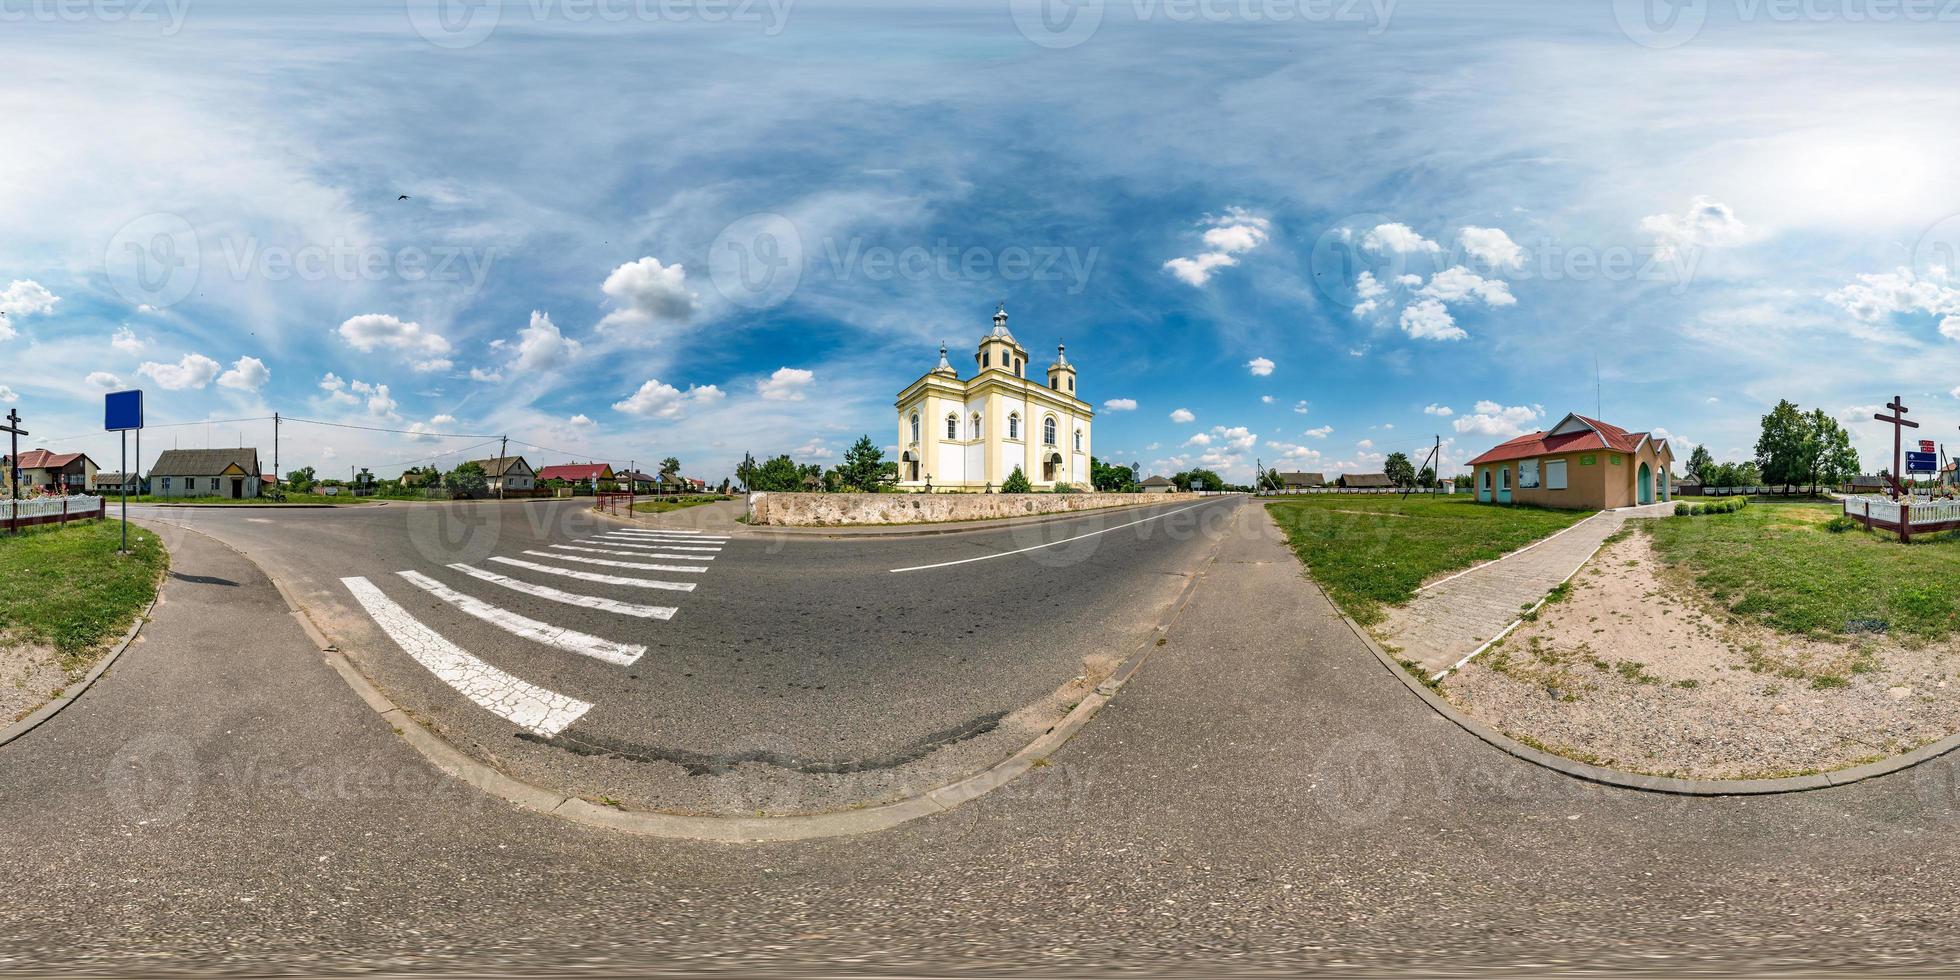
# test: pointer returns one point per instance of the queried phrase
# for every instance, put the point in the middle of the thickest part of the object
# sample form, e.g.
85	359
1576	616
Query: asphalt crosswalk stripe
568	640
658	530
600	603
643	543
696	535
528	706
629	554
584	576
636	565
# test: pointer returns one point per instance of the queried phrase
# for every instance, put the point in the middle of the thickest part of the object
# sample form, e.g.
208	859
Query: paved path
1451	618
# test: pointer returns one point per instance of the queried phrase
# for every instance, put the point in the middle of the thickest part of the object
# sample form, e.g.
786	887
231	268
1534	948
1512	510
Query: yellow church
969	434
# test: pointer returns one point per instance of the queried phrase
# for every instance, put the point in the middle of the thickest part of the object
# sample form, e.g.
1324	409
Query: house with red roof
1578	464
51	472
579	473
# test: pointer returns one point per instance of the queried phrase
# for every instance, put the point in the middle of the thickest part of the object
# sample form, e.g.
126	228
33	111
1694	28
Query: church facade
969	434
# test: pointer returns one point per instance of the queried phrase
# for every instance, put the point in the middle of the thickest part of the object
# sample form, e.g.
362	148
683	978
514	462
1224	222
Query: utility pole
275	449
1259	474
503	450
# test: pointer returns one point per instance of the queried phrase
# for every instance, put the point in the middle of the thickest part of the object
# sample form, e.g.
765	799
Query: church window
986	358
1078	440
952	426
915	427
1048	430
1014	426
1071	384
974	433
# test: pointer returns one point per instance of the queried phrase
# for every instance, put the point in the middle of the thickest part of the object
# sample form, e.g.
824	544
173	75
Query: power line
380	428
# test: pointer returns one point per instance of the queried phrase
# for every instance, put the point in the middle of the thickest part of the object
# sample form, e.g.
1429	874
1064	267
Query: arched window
1078	440
1048	430
986	359
915	427
1014	426
952	426
1071	384
974	432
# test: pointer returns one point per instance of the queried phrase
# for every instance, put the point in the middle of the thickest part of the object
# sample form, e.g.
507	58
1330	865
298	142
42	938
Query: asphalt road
791	674
1262	797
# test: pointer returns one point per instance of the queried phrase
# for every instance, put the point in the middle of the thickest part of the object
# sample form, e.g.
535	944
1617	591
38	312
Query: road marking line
544	712
639	565
569	640
1051	544
630	554
644	543
658	530
583	576
569	598
641	535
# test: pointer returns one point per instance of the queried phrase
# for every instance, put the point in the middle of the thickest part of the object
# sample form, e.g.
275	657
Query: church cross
1899	424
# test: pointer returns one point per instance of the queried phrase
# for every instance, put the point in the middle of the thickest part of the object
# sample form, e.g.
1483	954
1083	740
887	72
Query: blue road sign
1922	462
122	410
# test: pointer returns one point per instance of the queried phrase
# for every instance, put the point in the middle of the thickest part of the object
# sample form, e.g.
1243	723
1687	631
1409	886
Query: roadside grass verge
1782	565
675	503
64	585
1369	552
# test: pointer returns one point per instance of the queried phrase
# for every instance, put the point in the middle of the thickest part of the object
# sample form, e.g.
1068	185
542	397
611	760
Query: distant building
1366	481
1580	464
113	484
589	474
51	472
1866	483
508	473
1301	481
230	473
1157	484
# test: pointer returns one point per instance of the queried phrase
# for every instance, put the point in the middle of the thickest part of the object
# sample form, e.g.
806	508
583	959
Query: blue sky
202	200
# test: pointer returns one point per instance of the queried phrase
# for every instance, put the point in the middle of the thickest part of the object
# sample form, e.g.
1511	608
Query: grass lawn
1370	551
1777	564
663	506
63	585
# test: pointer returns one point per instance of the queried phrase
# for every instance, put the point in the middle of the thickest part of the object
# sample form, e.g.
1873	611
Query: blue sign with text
122	410
1922	462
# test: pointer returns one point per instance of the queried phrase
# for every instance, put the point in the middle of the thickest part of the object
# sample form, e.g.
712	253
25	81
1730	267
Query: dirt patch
30	676
1634	670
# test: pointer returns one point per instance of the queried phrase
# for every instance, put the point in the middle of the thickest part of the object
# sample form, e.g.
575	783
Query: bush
1682	510
1016	482
1840	524
1065	488
1727	506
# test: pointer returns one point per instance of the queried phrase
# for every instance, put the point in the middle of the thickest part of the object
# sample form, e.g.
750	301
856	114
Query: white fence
42	510
1886	511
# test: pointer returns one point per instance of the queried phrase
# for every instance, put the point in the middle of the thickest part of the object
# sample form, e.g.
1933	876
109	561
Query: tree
1783	448
1462	481
1400	471
670	468
1698	463
863	463
1199	479
1837	460
778	475
724	486
300	480
1427	478
467	480
1016	482
1270	480
1111	479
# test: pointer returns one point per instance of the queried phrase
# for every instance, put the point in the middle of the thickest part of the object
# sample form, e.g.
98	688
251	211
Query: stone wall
844	509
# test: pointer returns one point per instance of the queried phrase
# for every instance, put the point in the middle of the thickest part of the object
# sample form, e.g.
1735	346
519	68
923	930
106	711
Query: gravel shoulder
1634	669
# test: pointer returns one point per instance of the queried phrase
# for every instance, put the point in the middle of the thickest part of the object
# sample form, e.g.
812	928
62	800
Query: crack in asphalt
716	764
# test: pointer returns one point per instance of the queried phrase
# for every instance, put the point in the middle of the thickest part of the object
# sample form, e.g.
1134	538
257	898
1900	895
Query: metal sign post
121	412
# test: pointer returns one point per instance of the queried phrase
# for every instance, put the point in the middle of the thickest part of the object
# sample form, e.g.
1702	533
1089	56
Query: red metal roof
41	459
1601	435
574	471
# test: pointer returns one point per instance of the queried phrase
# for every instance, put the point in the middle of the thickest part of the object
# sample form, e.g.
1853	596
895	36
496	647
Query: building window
1071	384
915	427
974	432
1048	430
214	483
1078	440
1528	474
166	483
952	427
1555	474
986	359
1014	426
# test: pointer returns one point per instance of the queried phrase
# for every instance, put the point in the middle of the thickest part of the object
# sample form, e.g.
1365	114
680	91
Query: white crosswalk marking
629	554
569	640
636	565
658	530
584	576
642	543
696	535
569	598
533	708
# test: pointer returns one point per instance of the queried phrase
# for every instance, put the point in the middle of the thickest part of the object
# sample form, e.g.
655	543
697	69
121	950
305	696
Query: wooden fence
49	510
1904	517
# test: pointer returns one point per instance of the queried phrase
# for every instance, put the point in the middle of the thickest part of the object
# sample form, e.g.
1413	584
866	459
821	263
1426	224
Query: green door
1646	484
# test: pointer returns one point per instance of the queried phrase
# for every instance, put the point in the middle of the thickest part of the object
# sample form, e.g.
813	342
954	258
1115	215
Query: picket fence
49	510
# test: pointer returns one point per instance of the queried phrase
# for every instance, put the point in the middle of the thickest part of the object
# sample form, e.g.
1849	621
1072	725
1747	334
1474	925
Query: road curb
730	830
1668	785
71	693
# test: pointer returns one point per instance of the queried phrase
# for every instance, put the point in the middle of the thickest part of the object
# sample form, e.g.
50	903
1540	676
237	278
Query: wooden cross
1899	425
14	431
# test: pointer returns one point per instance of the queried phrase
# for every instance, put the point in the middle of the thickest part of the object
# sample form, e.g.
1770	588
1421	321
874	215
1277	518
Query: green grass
1370	551
676	503
64	585
1779	564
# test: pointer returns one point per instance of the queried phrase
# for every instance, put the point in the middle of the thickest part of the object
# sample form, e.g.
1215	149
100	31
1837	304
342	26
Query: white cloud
1238	231
1369	291
7	395
1457	283
1429	319
23	297
1260	366
1183	415
370	332
1950	328
645	293
664	401
443	420
1398	238
1492	247
1492	419
1879	295
1705	223
787	384
1300	407
378	401
191	371
246	374
580	421
331	382
103	380
1198	439
814	449
1120	405
433	364
1321	432
539	347
482	374
1266	399
1365	444
126	341
1441	410
1237	437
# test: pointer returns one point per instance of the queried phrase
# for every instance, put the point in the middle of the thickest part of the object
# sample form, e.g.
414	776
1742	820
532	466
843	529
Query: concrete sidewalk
1449	619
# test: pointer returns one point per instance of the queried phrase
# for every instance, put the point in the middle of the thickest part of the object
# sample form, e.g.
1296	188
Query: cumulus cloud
1260	366
1492	247
1365	444
538	347
1120	405
1399	239
1369	291
103	380
1441	410
1429	319
191	371
1266	399
485	374
787	384
658	400
1182	415
1235	233
7	395
1705	223
125	340
378	401
1492	419
1320	432
1457	283
1877	295
645	293
1300	407
370	332
1198	439
580	421
246	374
23	298
1237	437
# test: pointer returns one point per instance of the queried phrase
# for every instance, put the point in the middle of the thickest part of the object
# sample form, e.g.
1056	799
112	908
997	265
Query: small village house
1578	464
114	484
1366	481
1157	484
508	474
230	473
1302	481
54	473
580	474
